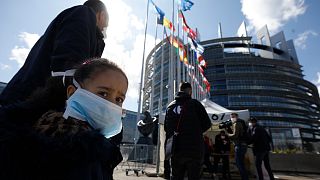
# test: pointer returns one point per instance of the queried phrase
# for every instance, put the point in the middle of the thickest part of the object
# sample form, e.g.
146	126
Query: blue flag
186	5
160	13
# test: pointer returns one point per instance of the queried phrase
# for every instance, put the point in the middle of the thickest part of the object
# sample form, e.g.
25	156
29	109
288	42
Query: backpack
244	137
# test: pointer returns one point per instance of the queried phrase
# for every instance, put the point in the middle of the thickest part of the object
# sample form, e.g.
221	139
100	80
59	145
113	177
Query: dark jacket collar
182	96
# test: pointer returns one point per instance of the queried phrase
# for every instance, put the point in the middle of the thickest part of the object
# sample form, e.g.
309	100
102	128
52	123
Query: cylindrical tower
267	79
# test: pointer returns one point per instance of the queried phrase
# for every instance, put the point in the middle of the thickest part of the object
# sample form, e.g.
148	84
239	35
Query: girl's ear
70	90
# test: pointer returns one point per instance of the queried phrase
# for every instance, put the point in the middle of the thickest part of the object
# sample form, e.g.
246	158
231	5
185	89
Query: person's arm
228	144
236	131
166	122
203	117
250	135
73	40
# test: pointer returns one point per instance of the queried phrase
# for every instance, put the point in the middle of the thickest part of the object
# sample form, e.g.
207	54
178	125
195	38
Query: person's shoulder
174	102
195	102
260	128
79	10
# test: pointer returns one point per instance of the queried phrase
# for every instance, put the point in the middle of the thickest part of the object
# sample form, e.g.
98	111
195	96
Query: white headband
69	72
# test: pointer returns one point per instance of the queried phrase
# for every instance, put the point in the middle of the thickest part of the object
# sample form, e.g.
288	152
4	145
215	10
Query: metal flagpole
178	55
161	77
160	102
192	75
141	76
153	76
171	74
195	75
183	63
189	63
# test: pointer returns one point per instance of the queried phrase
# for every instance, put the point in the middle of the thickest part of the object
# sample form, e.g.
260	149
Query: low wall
306	163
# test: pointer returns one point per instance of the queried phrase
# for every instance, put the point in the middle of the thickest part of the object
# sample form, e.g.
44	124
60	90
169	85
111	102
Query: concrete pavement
120	174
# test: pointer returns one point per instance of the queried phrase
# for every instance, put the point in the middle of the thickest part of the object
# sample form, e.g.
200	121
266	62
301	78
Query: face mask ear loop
76	83
69	72
63	79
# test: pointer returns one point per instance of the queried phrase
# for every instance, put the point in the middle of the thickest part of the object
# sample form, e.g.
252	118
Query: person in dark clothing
155	136
77	143
240	144
261	147
189	144
208	150
72	37
221	151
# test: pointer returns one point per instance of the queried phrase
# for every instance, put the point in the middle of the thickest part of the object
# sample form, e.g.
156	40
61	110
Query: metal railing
137	157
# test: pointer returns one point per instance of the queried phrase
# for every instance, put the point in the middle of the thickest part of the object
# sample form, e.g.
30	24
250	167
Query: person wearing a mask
221	151
72	37
187	119
260	140
240	145
79	142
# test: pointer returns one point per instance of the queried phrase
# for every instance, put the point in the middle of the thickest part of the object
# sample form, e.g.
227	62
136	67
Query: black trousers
181	165
225	163
208	164
167	169
263	156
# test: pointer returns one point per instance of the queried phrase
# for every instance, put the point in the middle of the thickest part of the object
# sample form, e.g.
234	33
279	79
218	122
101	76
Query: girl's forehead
109	77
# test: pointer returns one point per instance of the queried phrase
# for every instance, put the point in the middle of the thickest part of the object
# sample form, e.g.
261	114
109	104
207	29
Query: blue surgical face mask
98	112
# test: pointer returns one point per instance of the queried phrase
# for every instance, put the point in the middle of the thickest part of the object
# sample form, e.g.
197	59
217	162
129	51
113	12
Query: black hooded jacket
194	122
70	39
260	139
55	148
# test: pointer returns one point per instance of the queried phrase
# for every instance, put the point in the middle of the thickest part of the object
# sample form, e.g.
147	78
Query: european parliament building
264	77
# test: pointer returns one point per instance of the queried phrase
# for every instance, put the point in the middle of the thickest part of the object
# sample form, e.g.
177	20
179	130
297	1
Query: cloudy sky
23	22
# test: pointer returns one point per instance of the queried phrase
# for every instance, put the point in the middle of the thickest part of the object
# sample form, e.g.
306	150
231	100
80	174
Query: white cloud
20	53
274	13
124	44
300	42
4	66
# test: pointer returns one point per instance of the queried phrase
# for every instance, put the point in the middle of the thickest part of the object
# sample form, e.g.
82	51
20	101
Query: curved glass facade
269	84
263	77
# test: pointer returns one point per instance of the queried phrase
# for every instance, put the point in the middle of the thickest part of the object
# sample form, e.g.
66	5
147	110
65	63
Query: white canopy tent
219	114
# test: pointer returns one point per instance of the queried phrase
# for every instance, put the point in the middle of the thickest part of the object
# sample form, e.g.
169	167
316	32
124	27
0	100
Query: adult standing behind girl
76	143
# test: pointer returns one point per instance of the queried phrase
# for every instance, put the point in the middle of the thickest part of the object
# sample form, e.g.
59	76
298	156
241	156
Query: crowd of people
187	120
60	115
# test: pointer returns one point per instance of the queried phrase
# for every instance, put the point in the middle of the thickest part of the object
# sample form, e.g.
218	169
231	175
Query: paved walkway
120	174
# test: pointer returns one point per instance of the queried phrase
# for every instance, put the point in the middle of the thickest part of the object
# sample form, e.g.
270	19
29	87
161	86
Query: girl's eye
103	94
119	100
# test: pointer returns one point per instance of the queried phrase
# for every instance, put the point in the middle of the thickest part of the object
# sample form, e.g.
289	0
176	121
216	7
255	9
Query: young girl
76	143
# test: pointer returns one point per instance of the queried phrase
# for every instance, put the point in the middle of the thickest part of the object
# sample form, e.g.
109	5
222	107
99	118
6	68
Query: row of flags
198	49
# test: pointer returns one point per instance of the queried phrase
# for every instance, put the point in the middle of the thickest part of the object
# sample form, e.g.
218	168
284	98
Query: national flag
168	24
160	13
192	43
186	28
200	60
200	69
183	54
174	42
192	34
185	4
201	88
206	82
200	48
